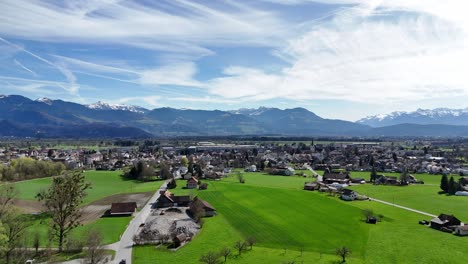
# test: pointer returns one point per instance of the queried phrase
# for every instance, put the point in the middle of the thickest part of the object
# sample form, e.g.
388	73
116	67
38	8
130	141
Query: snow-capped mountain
106	106
45	100
250	111
445	116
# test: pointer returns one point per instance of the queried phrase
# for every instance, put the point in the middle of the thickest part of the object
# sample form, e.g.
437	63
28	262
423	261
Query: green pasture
284	219
103	184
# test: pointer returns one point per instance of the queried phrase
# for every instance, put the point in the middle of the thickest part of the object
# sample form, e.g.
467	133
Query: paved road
124	250
403	207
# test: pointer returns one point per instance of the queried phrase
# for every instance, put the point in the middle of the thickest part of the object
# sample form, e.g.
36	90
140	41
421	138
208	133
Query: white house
349	195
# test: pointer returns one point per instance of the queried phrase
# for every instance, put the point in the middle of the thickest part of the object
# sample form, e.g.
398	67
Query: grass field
103	183
285	219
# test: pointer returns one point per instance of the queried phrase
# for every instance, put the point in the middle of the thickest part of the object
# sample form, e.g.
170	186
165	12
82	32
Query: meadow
285	219
103	184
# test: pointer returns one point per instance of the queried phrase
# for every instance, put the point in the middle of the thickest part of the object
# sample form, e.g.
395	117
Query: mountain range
23	117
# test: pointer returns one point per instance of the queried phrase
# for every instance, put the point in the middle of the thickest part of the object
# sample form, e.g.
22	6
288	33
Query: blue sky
341	59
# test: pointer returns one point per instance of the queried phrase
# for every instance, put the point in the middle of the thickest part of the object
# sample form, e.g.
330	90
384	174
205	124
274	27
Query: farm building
462	230
122	209
386	180
444	220
311	186
208	209
179	240
331	177
192	183
349	195
168	199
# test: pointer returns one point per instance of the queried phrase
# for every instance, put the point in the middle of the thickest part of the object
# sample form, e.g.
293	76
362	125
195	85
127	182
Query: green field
103	184
284	219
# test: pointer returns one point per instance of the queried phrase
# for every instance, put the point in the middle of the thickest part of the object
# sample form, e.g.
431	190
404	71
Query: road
403	207
124	249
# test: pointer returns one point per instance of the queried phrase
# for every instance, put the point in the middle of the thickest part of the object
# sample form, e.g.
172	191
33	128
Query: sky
342	59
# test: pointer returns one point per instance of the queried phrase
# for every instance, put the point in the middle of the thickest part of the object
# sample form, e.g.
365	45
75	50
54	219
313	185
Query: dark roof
333	175
123	208
449	218
181	237
181	199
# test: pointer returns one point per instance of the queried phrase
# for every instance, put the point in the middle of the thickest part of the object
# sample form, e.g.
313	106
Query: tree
343	252
373	175
94	249
62	201
404	176
3	239
250	241
452	186
444	183
36	242
210	258
15	226
165	173
8	192
240	246
225	252
240	177
184	161
172	184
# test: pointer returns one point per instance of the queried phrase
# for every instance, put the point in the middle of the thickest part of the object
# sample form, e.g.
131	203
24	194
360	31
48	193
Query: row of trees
240	246
28	168
449	186
143	171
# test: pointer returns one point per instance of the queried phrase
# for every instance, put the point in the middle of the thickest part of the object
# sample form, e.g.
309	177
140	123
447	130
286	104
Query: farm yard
286	219
107	187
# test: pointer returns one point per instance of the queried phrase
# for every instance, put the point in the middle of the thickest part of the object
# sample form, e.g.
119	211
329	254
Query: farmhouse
386	180
311	186
331	177
349	195
444	220
168	199
122	209
192	183
462	230
208	209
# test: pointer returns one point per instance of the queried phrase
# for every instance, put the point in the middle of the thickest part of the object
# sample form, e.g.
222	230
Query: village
171	217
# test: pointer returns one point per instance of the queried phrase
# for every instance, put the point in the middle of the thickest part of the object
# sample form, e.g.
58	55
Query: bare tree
343	252
240	246
210	258
225	252
250	241
95	250
62	200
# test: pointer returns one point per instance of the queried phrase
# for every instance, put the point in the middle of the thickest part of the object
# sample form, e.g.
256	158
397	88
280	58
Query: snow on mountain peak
106	106
44	100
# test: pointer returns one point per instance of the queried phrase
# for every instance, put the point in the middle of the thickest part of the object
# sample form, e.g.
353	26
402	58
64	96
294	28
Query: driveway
124	249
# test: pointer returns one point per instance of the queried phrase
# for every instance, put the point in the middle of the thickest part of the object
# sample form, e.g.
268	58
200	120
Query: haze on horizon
341	59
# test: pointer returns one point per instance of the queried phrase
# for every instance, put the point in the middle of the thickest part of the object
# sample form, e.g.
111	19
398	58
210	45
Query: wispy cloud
25	68
175	26
72	87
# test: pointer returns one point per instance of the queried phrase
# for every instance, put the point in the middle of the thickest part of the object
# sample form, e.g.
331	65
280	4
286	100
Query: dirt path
403	207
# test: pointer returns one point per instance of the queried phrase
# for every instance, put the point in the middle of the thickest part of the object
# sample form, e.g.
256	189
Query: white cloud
370	54
180	74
